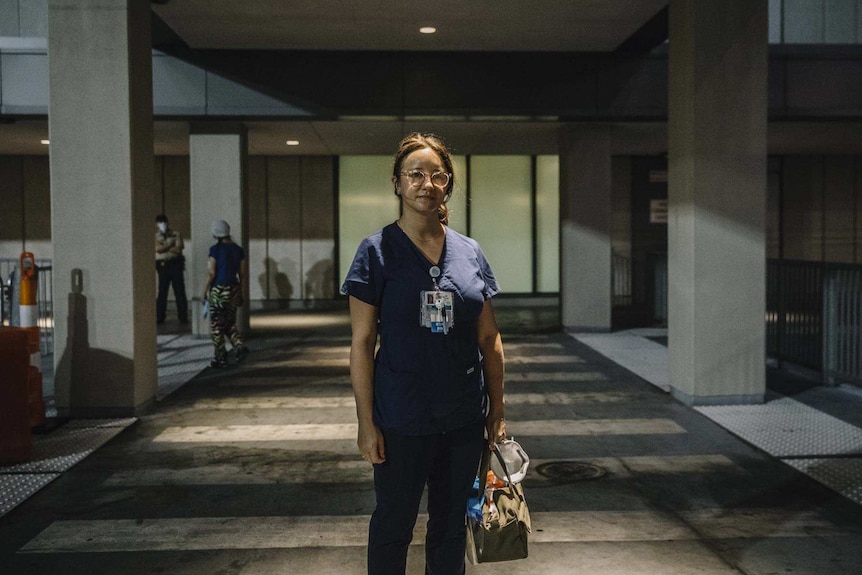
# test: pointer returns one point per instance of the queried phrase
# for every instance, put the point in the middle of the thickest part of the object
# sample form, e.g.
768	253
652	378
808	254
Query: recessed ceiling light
293	142
428	29
45	142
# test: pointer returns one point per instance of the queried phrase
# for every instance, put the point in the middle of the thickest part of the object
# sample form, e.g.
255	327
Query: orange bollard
16	441
29	322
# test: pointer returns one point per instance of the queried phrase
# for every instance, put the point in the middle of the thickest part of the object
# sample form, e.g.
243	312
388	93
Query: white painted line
347	431
543	359
327	362
199	533
342	401
281	402
567	398
563	427
237	433
283	381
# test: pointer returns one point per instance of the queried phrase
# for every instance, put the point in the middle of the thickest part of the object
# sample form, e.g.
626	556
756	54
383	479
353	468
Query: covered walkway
253	470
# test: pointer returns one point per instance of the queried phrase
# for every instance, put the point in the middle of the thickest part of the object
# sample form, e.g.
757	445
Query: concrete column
585	230
102	205
218	164
717	200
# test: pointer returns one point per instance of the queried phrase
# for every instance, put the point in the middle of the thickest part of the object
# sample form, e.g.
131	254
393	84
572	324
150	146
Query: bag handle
485	465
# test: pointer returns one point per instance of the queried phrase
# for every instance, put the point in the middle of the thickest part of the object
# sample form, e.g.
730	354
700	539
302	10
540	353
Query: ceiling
473	25
378	25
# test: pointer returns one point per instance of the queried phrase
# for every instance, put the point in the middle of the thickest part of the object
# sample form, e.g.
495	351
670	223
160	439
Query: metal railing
621	279
660	289
44	299
813	317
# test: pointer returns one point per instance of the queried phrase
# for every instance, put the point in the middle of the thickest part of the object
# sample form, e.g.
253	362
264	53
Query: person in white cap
223	292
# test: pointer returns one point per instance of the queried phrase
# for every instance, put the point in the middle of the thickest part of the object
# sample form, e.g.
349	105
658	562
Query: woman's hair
417	141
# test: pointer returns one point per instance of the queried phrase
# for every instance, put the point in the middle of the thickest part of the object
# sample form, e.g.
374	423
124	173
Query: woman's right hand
370	442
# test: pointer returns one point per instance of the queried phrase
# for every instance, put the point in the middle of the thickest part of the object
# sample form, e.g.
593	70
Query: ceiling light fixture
45	142
292	142
428	30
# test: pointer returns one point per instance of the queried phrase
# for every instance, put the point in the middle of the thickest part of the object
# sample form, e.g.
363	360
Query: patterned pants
223	306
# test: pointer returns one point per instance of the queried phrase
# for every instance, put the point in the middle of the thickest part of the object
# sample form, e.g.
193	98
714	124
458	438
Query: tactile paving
787	428
16	487
843	475
63	448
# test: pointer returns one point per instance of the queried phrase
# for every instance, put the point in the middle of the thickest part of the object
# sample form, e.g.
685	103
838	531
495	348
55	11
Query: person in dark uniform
431	398
170	265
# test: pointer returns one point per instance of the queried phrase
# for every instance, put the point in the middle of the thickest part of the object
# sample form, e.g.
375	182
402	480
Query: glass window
500	217
548	223
366	203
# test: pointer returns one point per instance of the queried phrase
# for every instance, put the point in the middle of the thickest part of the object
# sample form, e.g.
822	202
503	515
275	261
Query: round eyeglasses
417	178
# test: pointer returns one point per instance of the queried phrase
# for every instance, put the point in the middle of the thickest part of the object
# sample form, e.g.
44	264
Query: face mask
163	227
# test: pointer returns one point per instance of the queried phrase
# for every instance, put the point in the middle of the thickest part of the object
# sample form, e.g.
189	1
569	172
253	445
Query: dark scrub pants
171	274
448	463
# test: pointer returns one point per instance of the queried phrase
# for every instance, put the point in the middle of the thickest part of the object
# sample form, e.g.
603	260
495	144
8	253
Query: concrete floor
253	470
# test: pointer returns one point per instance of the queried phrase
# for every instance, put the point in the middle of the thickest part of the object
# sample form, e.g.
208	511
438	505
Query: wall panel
500	217
318	228
839	215
548	223
803	208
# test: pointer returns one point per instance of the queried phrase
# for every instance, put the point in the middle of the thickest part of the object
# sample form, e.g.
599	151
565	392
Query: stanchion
29	322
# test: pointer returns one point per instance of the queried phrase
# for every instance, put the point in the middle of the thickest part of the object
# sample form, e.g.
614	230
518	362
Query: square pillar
717	201
102	205
219	175
585	230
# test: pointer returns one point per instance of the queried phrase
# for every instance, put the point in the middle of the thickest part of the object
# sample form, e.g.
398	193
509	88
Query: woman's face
426	197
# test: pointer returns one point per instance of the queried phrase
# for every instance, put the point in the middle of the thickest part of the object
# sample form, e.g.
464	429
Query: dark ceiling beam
333	84
648	37
163	37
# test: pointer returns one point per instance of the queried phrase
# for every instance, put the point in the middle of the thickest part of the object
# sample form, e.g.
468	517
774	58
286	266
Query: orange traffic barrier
29	322
16	441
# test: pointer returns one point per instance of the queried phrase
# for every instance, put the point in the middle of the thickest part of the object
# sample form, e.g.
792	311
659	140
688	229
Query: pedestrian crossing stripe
284	532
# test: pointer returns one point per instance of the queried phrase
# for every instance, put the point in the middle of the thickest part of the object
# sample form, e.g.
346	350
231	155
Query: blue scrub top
424	382
228	258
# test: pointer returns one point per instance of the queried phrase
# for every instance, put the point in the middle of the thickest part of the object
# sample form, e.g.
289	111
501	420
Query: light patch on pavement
201	533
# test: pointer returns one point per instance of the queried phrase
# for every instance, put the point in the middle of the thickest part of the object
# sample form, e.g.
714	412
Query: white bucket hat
516	460
220	229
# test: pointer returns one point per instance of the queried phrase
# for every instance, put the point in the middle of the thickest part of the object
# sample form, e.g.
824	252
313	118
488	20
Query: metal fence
44	299
621	279
814	312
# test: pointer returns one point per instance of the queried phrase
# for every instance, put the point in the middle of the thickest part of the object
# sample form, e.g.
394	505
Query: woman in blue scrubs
431	398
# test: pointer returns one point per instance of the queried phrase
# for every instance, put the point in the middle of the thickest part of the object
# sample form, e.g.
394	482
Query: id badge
436	311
